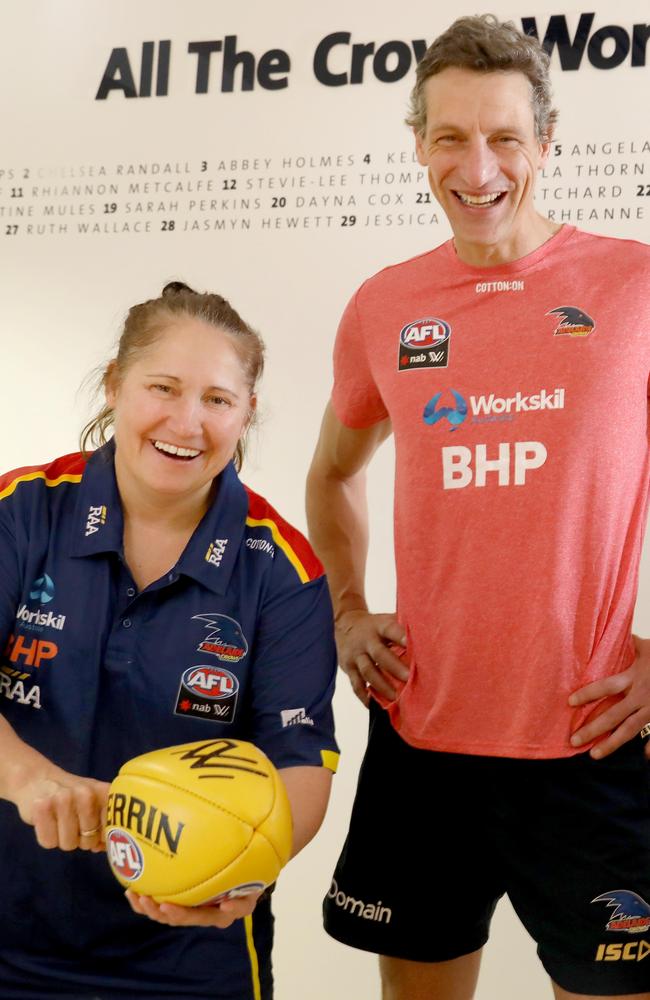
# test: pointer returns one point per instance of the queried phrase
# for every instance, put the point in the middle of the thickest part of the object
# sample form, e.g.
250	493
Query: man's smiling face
482	155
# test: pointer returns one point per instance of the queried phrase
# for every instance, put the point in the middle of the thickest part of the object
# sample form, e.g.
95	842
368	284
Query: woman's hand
219	915
65	810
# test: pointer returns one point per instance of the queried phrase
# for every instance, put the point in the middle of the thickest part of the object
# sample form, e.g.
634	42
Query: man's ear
419	147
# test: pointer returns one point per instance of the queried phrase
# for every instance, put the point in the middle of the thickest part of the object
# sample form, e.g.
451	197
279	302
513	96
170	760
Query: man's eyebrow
447	127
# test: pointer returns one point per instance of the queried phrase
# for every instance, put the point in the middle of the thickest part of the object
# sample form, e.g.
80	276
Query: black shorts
436	838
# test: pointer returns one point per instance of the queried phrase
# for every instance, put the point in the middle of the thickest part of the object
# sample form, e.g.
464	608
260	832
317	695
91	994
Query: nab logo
455	416
210	682
42	590
124	855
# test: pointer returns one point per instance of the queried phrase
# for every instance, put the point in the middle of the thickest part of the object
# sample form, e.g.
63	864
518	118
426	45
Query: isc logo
211	682
509	466
425	333
633	951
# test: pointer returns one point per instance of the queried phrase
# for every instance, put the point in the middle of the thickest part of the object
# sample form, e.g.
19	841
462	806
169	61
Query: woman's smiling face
179	410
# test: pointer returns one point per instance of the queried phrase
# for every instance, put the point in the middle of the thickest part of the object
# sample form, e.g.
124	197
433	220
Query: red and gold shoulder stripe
67	469
294	545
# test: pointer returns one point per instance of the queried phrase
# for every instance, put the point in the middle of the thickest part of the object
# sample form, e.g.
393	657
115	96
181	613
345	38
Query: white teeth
478	199
171	449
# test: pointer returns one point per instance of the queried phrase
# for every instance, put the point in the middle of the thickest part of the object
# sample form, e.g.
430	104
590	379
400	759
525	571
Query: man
512	366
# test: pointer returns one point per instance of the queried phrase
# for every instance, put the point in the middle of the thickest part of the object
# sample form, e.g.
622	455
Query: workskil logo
424	343
491	408
455	415
630	912
42	589
573	322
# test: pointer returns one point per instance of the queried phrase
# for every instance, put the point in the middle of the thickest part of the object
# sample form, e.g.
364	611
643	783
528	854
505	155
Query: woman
119	572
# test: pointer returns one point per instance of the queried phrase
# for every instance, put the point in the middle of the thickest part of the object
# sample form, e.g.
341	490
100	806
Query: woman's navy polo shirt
236	640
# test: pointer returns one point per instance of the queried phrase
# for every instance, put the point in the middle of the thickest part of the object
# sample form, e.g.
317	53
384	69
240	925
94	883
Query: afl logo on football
425	333
124	855
210	682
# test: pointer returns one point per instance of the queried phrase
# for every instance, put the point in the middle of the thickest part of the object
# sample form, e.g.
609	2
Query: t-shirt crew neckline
514	266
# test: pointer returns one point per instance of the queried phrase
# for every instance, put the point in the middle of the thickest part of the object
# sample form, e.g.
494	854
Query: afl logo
124	855
210	682
425	333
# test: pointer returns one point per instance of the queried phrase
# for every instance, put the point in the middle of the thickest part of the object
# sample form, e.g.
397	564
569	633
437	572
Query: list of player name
580	182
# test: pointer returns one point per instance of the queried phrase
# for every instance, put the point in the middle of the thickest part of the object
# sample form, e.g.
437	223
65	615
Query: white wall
63	294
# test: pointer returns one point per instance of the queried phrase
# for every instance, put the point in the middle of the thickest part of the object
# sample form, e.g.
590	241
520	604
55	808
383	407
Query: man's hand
221	915
65	810
628	710
363	642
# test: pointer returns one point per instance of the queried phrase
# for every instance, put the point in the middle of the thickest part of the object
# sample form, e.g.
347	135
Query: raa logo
96	518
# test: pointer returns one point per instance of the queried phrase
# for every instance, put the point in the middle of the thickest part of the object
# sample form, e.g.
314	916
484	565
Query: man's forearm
337	516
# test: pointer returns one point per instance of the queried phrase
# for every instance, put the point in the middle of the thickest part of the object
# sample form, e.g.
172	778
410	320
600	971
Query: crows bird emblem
630	912
573	322
225	638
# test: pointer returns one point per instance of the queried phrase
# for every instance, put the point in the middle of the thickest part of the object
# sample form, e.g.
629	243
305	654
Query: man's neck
505	252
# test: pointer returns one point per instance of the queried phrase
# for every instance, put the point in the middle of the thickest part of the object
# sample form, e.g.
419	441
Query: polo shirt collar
211	552
98	524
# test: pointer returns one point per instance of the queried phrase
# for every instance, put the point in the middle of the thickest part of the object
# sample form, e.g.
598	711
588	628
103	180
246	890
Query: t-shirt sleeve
293	676
356	399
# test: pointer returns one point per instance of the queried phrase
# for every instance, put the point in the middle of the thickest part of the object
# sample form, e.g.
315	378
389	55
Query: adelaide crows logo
630	913
225	638
573	322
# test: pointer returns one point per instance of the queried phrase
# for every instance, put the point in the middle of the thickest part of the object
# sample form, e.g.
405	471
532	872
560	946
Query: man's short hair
486	45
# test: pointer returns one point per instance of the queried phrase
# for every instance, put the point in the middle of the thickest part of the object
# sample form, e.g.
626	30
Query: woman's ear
252	409
110	383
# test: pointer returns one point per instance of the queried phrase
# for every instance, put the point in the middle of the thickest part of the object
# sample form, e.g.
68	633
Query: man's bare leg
453	980
561	994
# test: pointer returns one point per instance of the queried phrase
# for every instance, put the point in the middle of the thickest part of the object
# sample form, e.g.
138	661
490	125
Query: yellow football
194	823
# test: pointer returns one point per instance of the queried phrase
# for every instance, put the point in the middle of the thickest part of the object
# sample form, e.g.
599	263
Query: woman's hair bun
174	287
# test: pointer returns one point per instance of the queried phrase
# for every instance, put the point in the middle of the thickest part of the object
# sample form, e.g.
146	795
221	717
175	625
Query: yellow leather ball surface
188	824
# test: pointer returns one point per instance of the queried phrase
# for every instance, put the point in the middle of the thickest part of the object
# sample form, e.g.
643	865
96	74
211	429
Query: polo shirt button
130	592
127	623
